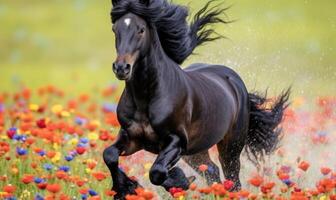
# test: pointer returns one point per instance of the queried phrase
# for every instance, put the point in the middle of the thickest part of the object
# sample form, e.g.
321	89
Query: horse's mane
177	37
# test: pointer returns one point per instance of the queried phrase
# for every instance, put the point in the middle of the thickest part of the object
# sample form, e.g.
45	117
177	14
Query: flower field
51	145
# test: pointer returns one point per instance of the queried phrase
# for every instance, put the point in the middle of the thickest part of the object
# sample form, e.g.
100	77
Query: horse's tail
264	131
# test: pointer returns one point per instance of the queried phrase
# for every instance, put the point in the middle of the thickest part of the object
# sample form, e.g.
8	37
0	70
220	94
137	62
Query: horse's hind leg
194	161
229	155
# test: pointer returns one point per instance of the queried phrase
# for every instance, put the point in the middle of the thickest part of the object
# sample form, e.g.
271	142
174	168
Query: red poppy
228	184
80	150
41	123
203	168
42	186
9	189
325	170
27	178
303	165
83	191
53	188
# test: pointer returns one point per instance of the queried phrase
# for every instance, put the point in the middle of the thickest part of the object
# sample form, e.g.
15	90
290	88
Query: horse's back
224	93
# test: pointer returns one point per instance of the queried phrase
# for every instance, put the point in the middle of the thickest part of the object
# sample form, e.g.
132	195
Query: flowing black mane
178	38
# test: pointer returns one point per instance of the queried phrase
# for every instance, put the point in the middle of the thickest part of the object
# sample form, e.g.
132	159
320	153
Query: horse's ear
146	2
115	2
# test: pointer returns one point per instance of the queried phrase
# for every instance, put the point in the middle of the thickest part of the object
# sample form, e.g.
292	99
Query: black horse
178	113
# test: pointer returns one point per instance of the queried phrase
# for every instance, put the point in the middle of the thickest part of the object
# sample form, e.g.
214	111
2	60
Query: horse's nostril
128	66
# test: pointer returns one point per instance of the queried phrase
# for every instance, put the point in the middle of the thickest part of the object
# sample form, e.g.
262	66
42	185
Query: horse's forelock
170	21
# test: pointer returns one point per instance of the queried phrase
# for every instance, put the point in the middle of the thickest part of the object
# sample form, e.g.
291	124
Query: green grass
273	44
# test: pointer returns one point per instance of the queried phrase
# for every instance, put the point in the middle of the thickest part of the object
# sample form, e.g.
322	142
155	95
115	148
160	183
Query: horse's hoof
158	175
128	187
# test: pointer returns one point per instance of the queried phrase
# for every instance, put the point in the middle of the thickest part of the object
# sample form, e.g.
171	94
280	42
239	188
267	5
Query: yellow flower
324	197
65	113
96	122
73	141
4	137
3	193
33	107
57	108
88	170
181	198
57	157
93	136
55	146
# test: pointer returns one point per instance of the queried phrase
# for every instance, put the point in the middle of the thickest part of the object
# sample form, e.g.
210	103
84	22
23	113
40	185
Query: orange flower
94	198
99	175
134	197
192	187
92	164
54	188
51	154
206	190
303	165
146	194
244	193
256	181
203	168
110	193
61	174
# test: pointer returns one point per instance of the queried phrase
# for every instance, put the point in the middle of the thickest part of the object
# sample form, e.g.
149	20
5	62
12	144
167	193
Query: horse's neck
155	74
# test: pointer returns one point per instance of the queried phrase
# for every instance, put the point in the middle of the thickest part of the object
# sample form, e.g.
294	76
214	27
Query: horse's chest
141	128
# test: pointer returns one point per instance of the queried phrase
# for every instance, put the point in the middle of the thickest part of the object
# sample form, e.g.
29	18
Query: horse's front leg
163	171
122	184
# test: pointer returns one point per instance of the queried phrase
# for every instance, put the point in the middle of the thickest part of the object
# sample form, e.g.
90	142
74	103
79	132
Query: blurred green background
69	43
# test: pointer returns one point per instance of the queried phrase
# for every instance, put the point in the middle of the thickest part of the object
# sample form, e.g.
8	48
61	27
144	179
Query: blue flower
21	151
64	168
92	192
287	182
80	121
84	140
38	197
19	137
48	166
84	196
38	180
69	158
42	153
81	145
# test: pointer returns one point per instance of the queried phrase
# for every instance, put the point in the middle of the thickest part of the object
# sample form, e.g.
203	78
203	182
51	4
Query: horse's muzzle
122	70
